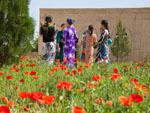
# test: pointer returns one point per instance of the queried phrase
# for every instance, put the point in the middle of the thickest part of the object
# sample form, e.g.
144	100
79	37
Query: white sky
35	5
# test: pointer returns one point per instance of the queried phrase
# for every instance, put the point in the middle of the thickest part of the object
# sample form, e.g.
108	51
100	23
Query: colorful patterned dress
70	39
103	49
89	50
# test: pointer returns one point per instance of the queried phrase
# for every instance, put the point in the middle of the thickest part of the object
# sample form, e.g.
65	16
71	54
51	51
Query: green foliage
121	47
35	45
16	30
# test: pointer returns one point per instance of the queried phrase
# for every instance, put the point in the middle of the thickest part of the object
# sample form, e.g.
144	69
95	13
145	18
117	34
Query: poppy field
34	87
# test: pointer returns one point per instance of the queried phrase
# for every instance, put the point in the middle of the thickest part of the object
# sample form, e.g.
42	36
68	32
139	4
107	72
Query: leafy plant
121	46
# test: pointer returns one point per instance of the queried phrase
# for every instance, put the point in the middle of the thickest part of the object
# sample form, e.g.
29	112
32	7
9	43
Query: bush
121	47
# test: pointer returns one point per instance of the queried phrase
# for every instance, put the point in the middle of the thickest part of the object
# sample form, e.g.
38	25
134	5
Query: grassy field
34	87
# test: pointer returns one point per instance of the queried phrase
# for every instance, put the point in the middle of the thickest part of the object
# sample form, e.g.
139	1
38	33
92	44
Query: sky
35	5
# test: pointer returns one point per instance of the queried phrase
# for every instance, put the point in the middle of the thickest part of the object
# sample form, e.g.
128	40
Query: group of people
62	44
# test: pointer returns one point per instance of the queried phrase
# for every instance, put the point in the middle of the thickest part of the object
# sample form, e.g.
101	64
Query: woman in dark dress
59	43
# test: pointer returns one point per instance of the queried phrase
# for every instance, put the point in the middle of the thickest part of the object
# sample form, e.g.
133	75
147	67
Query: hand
58	50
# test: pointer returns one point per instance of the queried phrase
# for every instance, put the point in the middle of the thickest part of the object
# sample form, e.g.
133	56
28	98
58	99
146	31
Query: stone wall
136	21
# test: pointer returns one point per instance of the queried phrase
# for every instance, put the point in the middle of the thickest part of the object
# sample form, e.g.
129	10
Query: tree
120	47
16	30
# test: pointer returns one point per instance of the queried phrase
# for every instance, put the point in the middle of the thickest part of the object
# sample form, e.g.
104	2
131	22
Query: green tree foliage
121	47
16	30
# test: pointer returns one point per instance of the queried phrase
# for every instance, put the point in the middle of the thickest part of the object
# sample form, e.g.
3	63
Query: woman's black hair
105	23
91	29
62	24
48	19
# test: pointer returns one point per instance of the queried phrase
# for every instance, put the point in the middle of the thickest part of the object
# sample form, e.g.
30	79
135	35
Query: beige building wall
136	21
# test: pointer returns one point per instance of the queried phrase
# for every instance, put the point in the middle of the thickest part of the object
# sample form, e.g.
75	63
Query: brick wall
136	21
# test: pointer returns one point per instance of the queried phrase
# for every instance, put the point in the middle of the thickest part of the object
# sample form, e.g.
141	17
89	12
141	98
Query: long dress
70	39
103	49
59	41
89	50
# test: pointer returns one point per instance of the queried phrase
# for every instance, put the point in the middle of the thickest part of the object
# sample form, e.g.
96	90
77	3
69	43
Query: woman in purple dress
70	40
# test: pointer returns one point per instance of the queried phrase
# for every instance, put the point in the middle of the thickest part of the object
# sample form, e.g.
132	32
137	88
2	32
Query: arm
95	39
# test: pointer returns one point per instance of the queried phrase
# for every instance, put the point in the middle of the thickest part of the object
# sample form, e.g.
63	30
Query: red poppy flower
9	103
115	70
22	65
115	76
26	72
36	96
21	80
109	103
64	85
74	72
99	101
54	69
63	67
86	66
134	80
136	98
1	73
47	100
80	70
24	95
9	77
32	65
91	85
67	73
141	87
4	109
33	73
124	101
17	70
96	78
35	77
78	109
4	99
14	68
